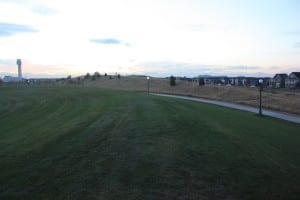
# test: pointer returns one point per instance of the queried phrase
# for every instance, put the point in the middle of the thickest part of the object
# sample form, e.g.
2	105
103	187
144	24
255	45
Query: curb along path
287	117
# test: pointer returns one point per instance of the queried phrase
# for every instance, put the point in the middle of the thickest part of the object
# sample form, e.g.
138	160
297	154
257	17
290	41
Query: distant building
19	63
214	80
293	81
8	79
279	80
252	81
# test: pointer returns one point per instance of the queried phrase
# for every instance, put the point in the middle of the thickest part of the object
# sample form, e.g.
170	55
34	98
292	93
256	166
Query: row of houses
286	81
224	80
278	81
239	81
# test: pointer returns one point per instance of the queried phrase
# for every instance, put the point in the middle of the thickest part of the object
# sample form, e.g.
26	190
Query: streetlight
148	83
260	82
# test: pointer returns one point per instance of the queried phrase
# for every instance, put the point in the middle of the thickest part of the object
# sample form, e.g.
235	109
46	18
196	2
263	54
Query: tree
69	77
119	76
97	74
201	81
172	81
105	74
87	76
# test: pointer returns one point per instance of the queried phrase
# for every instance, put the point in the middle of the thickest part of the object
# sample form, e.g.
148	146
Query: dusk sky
152	37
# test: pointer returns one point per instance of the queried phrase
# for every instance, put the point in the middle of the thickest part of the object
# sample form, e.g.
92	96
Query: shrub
201	81
97	75
172	81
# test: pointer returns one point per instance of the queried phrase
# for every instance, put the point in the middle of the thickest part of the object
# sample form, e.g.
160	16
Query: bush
172	81
201	81
97	75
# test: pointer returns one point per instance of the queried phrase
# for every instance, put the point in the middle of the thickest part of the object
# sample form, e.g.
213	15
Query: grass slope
88	143
284	100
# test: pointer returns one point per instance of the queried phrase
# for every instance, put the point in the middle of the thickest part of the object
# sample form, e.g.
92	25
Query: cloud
43	10
192	27
8	67
274	67
34	7
294	32
8	29
167	68
12	1
5	62
31	75
207	27
242	67
106	41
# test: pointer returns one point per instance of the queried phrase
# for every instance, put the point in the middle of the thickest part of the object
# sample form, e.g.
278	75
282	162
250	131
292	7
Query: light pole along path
279	115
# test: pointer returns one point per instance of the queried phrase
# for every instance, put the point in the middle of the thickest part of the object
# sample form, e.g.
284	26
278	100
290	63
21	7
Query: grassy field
91	143
284	100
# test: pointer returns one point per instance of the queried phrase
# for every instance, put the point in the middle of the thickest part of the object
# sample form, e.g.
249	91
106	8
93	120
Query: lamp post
148	83
260	82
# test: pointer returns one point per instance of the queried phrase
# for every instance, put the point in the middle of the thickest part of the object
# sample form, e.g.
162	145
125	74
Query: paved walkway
287	117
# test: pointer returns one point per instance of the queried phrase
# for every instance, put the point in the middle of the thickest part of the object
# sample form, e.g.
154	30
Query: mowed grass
89	143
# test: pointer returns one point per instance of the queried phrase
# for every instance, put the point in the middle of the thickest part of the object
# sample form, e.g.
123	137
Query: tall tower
19	63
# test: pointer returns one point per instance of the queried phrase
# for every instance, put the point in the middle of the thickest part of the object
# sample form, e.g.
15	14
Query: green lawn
88	143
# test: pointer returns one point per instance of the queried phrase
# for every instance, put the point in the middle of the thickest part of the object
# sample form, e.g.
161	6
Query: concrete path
287	117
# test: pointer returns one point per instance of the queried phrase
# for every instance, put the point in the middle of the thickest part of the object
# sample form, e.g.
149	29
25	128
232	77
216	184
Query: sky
56	38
